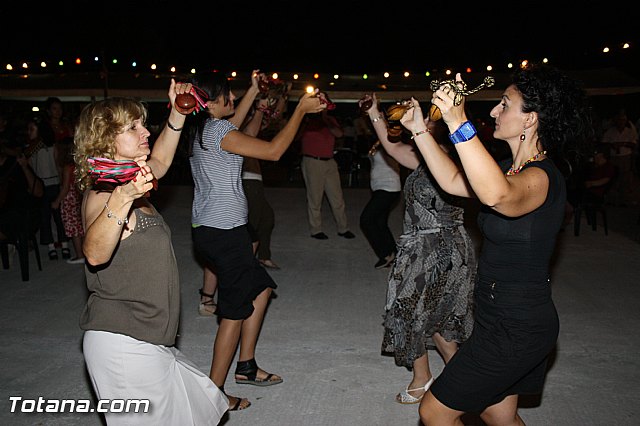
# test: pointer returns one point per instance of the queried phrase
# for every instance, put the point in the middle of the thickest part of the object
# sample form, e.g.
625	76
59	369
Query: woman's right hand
444	98
311	103
373	110
139	185
413	120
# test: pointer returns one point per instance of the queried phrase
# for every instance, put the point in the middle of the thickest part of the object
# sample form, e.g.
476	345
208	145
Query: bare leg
224	349
421	375
433	412
207	306
251	330
422	372
209	281
504	413
446	349
77	246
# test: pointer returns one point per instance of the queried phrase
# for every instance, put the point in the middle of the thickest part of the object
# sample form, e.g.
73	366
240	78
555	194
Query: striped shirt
218	199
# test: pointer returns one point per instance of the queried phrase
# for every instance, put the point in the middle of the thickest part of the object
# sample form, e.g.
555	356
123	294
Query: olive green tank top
137	292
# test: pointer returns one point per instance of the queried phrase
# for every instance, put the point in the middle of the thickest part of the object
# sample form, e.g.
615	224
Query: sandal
206	308
405	397
249	369
66	253
53	254
239	405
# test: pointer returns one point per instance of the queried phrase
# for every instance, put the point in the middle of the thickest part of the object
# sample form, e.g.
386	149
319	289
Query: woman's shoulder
222	123
217	128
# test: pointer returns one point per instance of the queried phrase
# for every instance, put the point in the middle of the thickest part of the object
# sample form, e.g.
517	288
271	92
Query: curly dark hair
564	111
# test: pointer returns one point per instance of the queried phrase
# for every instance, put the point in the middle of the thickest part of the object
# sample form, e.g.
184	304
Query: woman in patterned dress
429	298
69	201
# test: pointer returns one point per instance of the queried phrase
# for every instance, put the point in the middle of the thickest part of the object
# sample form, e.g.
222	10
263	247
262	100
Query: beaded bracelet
421	132
111	214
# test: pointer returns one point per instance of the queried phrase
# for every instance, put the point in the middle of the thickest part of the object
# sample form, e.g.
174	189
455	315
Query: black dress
516	323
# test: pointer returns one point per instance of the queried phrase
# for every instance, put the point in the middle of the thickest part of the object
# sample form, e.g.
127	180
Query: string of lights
96	62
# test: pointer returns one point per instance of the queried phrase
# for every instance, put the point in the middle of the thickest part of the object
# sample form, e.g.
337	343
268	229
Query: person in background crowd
20	189
385	185
622	137
69	200
56	119
43	155
261	216
600	176
320	171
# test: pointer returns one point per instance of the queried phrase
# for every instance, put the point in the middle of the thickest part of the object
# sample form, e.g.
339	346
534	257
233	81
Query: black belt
318	158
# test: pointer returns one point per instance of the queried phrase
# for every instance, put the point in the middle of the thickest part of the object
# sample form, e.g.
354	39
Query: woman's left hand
256	77
413	119
443	98
176	89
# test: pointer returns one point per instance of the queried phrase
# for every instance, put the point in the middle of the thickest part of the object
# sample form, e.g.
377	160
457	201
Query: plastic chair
591	210
591	206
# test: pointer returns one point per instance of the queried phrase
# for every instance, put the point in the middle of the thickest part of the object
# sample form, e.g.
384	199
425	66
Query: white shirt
385	172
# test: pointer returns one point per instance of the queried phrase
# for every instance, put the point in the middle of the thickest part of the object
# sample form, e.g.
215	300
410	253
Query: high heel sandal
208	308
249	369
405	397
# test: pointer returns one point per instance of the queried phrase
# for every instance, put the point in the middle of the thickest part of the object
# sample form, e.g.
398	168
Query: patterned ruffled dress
431	282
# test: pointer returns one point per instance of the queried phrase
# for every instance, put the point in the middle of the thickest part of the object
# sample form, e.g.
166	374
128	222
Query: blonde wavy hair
97	128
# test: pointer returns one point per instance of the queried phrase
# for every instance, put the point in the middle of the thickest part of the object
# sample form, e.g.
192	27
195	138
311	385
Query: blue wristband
465	132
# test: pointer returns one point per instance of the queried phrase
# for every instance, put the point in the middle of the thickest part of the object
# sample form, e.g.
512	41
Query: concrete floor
323	331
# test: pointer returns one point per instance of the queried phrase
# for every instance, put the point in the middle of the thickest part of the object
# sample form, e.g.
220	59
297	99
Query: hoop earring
523	136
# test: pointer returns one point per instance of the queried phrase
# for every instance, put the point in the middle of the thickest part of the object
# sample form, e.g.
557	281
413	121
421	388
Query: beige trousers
323	177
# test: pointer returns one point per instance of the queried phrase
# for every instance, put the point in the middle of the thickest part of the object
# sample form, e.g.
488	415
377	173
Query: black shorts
241	278
515	330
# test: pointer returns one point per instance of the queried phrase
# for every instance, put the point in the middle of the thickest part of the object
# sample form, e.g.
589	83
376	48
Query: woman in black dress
523	197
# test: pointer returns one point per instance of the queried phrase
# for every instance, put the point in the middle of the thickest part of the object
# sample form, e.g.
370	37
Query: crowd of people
491	318
45	141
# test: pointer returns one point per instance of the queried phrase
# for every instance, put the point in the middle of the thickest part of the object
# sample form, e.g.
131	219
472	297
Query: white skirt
124	368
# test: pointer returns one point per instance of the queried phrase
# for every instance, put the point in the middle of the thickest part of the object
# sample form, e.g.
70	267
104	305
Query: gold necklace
513	171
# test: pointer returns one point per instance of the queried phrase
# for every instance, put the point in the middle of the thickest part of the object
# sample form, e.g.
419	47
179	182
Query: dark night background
324	36
344	37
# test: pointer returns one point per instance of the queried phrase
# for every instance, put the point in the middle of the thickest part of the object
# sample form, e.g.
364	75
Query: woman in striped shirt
219	220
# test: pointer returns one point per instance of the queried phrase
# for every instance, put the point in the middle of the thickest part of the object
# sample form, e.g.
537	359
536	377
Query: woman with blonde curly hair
131	316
